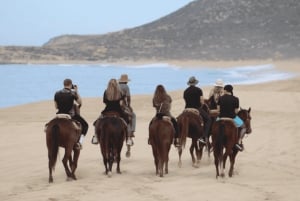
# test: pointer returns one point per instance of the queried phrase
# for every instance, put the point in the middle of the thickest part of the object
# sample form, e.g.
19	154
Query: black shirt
65	100
192	97
228	104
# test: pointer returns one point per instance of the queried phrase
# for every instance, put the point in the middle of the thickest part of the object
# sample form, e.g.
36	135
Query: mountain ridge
203	29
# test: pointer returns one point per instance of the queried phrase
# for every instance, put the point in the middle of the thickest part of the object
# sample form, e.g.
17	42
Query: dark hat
124	78
192	81
228	88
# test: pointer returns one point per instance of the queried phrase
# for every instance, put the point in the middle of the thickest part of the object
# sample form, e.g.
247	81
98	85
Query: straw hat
219	83
124	78
192	81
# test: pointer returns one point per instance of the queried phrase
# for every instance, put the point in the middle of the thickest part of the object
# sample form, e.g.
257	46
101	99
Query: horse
63	132
190	124
111	131
224	136
161	134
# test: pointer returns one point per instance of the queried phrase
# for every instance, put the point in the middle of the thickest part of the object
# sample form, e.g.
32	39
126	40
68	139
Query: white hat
219	83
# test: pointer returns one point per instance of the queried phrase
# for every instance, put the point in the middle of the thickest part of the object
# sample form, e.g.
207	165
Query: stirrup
202	141
239	147
78	146
176	142
95	140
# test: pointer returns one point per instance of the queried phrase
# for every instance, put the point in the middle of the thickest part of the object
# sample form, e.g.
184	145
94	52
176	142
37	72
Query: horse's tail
220	137
54	146
184	131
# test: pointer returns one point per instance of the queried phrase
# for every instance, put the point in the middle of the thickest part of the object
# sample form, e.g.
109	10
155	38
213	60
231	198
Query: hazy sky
34	22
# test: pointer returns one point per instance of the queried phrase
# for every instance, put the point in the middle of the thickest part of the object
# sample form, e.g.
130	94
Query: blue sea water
20	84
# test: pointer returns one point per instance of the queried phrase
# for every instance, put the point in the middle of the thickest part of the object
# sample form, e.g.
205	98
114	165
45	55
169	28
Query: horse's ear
249	110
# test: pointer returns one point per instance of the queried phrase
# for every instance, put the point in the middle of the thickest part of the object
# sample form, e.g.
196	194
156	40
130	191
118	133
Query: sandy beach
265	170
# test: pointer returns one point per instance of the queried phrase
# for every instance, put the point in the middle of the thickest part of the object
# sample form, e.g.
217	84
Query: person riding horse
111	98
65	100
126	106
228	107
193	97
162	103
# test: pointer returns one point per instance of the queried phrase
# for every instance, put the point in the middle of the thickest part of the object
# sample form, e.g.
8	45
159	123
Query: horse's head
246	117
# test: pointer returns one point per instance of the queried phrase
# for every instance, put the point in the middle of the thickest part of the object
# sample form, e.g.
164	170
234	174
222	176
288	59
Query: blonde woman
162	103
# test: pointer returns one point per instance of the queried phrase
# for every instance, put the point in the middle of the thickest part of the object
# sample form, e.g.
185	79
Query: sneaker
239	147
94	140
129	142
78	146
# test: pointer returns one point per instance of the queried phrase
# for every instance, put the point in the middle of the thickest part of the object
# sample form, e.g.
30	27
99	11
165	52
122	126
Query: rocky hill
203	29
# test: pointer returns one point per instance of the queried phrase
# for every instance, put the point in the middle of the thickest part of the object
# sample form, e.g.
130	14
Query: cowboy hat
219	83
192	81
124	78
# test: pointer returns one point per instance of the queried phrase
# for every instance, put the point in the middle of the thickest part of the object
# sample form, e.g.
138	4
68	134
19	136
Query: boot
129	141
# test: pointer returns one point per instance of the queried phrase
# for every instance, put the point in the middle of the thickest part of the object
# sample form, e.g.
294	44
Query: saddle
113	114
76	124
192	110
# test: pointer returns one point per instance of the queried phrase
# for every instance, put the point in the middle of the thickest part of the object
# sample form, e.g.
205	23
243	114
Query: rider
162	103
127	107
65	101
215	94
228	106
111	98
193	97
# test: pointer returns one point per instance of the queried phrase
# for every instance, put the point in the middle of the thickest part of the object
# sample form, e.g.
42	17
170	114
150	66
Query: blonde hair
113	91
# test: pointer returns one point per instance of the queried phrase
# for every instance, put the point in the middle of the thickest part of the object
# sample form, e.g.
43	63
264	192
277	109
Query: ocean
21	84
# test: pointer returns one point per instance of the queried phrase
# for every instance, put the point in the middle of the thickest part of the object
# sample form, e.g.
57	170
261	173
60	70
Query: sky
35	22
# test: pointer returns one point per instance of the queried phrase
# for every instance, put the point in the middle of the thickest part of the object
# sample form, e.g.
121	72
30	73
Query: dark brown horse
224	137
62	132
161	134
190	125
111	131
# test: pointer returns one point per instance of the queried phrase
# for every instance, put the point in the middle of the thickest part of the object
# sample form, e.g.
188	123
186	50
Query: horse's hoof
128	154
109	174
179	164
50	180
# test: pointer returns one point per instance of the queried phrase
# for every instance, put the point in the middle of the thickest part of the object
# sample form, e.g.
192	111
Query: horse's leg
222	164
232	161
161	167
75	162
216	164
192	148
50	169
118	162
179	154
68	152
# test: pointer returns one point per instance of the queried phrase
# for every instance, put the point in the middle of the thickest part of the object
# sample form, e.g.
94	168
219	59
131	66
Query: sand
266	170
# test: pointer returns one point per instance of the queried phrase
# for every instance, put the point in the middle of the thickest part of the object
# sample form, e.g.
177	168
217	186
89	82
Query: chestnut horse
63	132
161	134
111	131
191	125
224	136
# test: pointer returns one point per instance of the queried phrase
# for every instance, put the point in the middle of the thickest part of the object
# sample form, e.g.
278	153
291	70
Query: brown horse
62	132
224	137
161	134
111	131
190	125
